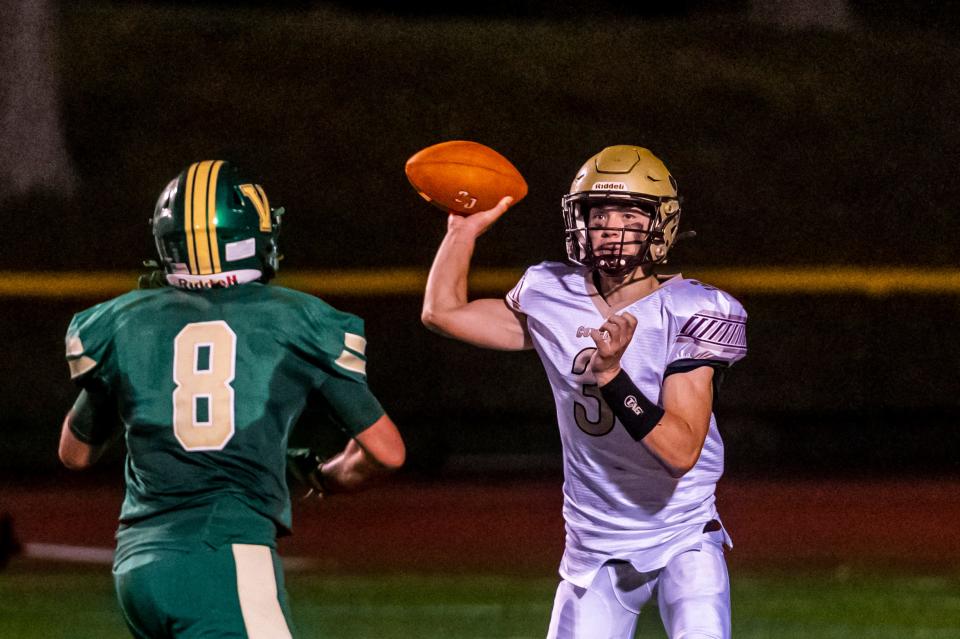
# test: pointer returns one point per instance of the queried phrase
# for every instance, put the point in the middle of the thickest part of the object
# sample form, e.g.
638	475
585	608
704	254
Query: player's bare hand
612	340
477	223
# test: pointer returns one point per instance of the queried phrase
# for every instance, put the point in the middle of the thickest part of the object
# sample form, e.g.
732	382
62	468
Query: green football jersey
208	385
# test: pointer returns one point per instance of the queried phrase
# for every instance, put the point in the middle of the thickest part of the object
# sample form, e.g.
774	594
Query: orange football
464	177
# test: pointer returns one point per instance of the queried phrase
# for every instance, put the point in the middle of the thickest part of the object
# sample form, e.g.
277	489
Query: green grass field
77	603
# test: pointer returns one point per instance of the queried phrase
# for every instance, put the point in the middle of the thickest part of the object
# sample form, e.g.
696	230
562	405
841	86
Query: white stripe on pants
257	589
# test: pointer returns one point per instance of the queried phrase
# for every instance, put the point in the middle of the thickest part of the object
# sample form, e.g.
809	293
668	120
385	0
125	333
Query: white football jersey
618	501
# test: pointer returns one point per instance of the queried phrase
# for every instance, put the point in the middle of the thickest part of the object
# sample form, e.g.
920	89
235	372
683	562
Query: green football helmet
627	176
212	228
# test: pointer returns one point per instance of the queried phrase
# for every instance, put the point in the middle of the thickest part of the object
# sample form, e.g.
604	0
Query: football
464	177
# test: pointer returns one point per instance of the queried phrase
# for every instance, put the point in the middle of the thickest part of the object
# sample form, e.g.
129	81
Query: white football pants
693	594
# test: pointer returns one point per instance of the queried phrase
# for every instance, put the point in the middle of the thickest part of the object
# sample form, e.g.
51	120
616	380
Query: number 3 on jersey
605	419
204	357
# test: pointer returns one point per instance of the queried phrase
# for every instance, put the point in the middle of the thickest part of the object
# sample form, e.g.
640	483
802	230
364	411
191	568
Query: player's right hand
476	224
612	340
303	466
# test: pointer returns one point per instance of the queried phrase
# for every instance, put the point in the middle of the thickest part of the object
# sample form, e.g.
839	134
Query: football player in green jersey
206	377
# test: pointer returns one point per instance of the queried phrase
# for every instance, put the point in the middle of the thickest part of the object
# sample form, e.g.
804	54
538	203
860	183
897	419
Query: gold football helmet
630	176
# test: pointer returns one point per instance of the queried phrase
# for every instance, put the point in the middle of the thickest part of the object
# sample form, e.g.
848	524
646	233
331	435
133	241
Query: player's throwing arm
442	174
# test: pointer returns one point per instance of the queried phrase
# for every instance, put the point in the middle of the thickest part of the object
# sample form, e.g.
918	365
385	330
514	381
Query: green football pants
233	592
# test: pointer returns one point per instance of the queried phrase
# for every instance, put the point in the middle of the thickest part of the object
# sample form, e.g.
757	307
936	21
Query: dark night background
794	144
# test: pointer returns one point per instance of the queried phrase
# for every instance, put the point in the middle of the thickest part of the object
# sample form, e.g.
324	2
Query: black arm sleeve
95	417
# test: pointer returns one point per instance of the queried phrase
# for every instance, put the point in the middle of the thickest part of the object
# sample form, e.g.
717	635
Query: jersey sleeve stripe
356	343
513	296
80	365
349	361
74	346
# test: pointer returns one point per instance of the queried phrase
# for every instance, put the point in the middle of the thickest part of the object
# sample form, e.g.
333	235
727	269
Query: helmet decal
199	220
259	199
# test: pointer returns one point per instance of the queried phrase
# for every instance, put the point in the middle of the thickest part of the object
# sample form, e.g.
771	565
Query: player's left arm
375	448
87	429
678	438
675	433
91	423
368	457
371	455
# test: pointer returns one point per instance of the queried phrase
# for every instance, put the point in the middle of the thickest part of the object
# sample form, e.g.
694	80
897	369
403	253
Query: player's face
612	226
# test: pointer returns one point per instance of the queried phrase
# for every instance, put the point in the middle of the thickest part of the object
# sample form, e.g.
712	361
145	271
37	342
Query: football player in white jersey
633	360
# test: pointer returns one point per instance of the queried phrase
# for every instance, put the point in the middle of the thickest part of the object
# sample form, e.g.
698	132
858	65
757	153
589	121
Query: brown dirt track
516	527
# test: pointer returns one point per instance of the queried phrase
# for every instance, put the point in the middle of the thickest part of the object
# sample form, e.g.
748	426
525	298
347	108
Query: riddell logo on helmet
229	280
609	186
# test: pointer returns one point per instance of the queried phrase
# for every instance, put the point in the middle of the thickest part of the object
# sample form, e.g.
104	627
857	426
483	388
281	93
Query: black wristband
637	413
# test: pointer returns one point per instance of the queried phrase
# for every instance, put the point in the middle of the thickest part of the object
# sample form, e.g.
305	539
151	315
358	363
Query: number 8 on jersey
204	357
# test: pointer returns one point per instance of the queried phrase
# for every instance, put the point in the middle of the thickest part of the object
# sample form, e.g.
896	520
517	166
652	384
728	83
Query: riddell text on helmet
610	186
229	280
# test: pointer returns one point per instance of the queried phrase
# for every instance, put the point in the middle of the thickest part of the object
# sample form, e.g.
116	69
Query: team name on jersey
584	331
